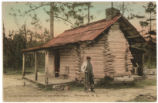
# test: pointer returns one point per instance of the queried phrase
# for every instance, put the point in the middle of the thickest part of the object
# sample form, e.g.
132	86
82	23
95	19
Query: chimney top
112	12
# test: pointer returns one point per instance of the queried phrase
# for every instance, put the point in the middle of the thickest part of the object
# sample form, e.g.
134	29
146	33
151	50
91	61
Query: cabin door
57	64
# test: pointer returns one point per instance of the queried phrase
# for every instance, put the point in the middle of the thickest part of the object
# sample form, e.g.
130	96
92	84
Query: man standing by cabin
88	70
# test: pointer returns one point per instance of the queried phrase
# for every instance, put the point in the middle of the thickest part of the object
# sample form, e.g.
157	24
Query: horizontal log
69	57
118	46
93	51
107	67
99	75
116	41
68	54
98	72
97	62
117	58
117	50
97	67
95	54
92	55
109	70
123	73
68	65
69	60
70	68
96	47
119	68
118	63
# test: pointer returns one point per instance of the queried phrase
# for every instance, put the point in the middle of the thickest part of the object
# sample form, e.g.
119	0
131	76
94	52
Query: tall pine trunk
25	34
150	22
88	14
123	8
3	31
51	19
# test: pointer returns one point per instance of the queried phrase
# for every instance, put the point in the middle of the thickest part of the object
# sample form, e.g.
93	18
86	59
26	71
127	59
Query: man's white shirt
83	67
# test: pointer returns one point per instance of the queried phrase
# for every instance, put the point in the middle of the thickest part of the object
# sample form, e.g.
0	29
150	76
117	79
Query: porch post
46	67
23	65
143	56
36	71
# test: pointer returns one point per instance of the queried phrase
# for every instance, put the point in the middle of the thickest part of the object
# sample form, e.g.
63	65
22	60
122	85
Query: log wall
96	52
69	59
120	54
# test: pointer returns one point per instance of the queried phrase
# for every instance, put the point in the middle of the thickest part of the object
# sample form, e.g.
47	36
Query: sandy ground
14	91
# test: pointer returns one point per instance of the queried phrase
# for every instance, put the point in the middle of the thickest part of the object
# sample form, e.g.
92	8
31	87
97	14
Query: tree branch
64	19
35	8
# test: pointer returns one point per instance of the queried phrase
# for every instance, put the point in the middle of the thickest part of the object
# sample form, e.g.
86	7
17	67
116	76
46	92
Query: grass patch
76	86
146	82
72	86
28	70
144	98
108	83
13	72
48	88
45	88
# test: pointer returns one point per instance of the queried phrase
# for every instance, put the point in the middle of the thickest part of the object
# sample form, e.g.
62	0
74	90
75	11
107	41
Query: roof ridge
86	25
81	32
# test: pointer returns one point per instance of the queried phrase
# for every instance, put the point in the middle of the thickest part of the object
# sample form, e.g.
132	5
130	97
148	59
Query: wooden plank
51	84
38	83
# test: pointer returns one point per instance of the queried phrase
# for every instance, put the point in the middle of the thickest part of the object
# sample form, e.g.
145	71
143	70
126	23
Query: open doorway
57	64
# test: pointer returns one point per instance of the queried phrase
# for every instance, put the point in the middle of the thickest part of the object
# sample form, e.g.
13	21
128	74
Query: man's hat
88	57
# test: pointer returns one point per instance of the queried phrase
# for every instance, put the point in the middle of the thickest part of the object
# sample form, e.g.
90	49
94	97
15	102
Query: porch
51	81
48	76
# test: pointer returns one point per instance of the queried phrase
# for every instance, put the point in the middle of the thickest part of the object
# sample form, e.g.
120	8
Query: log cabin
112	43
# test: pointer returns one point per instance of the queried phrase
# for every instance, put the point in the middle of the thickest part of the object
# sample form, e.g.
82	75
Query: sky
98	11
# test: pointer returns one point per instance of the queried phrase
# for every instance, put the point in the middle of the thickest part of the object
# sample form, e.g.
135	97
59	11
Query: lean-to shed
112	43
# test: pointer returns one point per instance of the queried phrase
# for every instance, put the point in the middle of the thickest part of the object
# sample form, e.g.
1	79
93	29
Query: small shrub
104	82
144	98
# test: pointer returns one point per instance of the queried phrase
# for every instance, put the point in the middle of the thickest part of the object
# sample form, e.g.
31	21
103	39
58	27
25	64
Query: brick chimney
111	12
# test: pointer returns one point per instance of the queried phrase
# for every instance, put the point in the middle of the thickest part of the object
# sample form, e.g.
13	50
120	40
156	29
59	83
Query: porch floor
51	81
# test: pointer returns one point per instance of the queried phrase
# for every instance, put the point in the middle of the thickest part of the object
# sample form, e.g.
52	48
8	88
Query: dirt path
15	91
